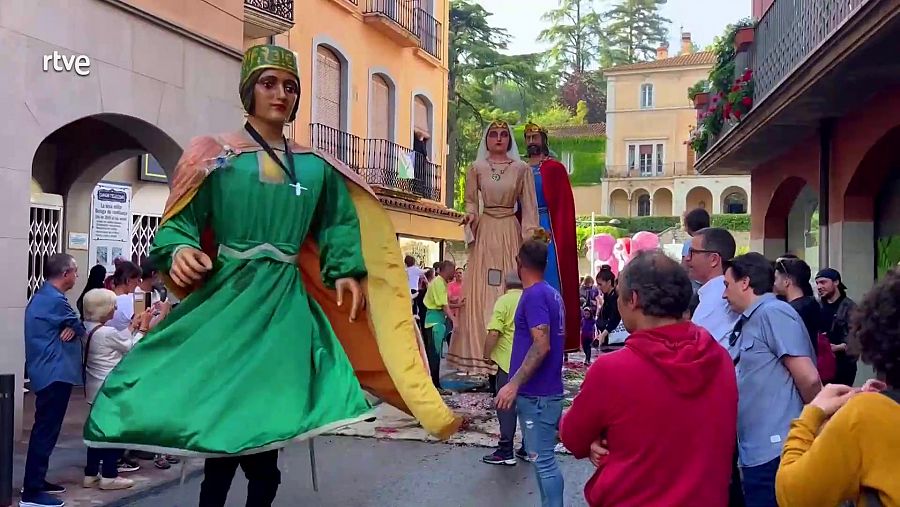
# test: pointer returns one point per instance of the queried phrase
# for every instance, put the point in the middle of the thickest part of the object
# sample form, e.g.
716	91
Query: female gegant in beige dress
496	192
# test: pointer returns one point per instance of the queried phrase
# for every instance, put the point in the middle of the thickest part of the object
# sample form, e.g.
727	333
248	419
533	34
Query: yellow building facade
374	79
649	166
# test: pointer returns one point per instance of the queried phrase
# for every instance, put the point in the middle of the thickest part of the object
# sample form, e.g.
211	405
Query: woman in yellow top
845	446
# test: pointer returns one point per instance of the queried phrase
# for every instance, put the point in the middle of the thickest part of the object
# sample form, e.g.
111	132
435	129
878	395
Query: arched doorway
67	166
872	210
662	202
641	203
802	238
423	120
618	203
734	201
699	197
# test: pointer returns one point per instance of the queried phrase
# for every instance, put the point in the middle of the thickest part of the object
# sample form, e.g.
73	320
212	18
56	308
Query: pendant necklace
495	175
289	169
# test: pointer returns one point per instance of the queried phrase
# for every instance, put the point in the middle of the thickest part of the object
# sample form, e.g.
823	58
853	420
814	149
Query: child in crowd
588	333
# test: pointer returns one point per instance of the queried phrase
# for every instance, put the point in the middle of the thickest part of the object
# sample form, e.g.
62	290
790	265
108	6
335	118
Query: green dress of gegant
248	362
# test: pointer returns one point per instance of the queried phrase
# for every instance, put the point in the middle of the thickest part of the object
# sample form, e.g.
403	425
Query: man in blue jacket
53	334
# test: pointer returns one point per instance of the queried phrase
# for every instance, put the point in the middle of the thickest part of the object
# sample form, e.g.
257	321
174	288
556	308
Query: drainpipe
825	130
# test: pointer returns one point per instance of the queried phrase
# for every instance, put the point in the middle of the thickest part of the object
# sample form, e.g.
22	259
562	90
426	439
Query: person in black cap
836	311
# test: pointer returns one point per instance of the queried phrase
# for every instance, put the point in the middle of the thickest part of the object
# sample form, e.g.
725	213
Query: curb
153	490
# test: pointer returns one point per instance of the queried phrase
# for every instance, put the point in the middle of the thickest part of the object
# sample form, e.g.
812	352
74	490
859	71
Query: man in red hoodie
665	405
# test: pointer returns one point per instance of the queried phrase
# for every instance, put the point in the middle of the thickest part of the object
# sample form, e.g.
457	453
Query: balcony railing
659	170
402	12
283	9
788	33
430	32
379	161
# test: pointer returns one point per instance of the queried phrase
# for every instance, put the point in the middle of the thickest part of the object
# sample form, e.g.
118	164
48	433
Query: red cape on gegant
561	205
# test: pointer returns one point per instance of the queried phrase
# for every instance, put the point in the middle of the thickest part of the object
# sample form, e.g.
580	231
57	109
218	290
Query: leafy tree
477	68
635	30
574	35
589	88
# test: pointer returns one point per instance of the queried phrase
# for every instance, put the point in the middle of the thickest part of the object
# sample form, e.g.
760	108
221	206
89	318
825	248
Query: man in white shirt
709	249
417	282
705	258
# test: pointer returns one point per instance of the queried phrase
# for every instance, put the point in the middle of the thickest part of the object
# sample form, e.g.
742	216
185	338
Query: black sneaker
53	489
40	499
522	455
125	465
49	487
498	458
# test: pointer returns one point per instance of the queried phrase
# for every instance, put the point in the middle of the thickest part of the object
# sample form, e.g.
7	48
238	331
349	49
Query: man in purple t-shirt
535	383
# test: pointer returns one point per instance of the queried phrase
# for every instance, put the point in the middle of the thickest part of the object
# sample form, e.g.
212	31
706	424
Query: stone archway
734	200
68	164
868	234
662	202
699	197
775	221
618	203
641	203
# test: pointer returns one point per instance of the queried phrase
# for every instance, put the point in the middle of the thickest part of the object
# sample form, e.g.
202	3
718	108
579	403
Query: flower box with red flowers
739	100
743	38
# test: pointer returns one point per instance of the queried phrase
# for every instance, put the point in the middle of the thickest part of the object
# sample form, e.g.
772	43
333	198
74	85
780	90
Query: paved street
368	472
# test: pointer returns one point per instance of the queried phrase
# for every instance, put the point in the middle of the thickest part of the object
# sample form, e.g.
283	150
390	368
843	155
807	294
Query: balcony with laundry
391	169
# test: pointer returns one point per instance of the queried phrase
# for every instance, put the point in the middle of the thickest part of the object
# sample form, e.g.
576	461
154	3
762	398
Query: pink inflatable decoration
600	249
622	252
643	241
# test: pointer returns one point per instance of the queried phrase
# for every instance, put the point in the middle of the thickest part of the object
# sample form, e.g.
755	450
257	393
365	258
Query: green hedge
583	232
735	223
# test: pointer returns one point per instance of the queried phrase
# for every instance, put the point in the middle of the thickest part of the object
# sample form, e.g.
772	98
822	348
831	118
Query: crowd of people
67	349
715	396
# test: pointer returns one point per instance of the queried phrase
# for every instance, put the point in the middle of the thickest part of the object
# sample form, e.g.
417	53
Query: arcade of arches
661	201
860	236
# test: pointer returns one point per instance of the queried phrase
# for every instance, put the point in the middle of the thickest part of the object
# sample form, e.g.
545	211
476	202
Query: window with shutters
381	111
329	88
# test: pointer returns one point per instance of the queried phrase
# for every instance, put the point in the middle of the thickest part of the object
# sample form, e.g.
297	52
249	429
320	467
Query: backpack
826	362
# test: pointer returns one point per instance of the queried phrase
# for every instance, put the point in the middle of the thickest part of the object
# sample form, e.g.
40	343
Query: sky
704	19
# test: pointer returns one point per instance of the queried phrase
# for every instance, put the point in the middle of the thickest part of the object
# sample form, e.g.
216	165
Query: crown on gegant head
498	124
534	128
541	235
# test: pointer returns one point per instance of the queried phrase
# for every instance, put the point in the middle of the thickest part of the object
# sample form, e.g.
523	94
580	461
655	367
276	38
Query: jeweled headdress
498	124
532	128
259	58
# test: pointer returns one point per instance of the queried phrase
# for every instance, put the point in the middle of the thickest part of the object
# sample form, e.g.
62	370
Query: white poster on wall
110	225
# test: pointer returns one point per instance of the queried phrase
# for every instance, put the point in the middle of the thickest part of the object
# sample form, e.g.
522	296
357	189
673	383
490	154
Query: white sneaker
90	481
117	483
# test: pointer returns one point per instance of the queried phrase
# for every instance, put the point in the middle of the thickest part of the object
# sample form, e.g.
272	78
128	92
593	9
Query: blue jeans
50	404
539	419
759	484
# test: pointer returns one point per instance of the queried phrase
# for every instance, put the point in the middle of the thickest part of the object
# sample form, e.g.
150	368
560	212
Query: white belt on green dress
262	251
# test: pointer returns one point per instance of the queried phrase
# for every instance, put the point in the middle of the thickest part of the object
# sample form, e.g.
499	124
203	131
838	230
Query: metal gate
143	228
44	240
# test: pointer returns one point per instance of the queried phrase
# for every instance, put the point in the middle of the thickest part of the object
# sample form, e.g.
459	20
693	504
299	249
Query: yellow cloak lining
383	343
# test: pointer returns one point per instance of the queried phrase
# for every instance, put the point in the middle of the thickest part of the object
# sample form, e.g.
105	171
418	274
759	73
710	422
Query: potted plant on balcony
743	38
698	94
739	100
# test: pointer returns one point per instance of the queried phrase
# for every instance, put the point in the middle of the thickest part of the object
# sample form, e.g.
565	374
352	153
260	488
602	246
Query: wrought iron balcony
379	161
430	33
264	18
395	18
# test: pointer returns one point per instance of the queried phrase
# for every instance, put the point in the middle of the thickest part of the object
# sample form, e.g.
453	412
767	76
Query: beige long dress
498	236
